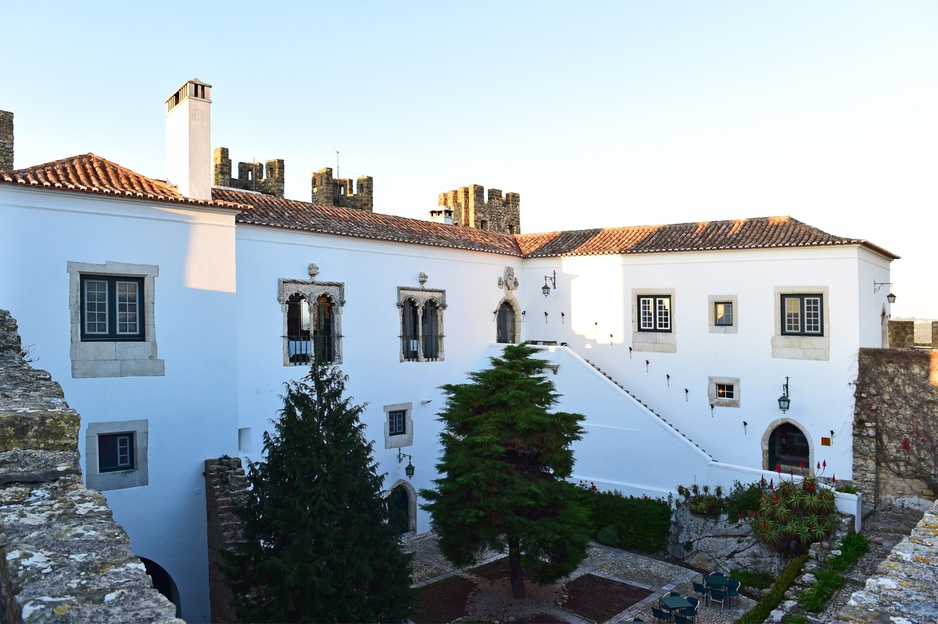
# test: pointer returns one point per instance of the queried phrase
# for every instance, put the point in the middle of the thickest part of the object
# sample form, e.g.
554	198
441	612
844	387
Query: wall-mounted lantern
549	282
409	468
784	402
891	298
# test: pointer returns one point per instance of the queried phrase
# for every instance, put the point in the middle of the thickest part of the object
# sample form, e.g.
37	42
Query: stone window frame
713	301
815	347
714	395
114	358
400	440
311	290
420	297
653	340
137	476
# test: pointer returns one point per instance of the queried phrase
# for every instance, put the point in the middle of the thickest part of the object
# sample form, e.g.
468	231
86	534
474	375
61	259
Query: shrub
829	579
793	515
742	500
758	580
640	523
760	612
846	488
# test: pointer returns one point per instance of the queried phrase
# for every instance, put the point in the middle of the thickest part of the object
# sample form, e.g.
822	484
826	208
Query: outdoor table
674	602
717	581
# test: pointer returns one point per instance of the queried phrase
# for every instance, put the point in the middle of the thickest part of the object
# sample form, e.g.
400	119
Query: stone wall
895	427
225	490
251	176
6	140
905	585
719	545
901	334
62	556
329	191
471	209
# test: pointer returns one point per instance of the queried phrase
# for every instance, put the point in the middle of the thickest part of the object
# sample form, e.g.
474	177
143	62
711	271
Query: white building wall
592	310
191	409
371	272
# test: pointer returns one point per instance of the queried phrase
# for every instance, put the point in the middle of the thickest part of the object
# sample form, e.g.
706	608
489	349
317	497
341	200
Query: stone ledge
31	466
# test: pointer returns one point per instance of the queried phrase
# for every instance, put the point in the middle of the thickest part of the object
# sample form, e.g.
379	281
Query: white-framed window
398	425
654	326
312	319
116	455
723	314
723	391
654	313
421	324
113	333
802	315
802	323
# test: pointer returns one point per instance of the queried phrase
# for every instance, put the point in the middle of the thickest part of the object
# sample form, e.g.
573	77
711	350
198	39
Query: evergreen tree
503	469
317	544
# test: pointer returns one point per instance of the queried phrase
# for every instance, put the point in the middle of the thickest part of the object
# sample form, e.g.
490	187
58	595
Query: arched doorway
163	582
402	507
787	448
505	331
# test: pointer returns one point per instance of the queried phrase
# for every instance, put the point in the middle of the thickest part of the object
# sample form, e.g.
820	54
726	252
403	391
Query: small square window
397	420
726	391
723	313
115	452
723	391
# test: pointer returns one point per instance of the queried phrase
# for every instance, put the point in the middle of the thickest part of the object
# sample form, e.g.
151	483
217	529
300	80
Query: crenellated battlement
331	191
251	175
470	208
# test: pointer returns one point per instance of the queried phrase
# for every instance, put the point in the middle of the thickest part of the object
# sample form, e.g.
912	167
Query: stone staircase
645	405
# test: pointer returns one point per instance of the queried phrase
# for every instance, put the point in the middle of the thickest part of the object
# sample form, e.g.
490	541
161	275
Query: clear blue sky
597	113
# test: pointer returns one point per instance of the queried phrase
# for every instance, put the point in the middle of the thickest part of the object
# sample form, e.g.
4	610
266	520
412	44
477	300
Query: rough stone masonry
63	558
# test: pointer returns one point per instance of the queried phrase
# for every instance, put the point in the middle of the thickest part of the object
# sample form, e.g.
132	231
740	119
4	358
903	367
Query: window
802	323
723	391
506	321
396	422
116	455
654	314
115	452
421	323
399	425
111	308
113	333
802	315
723	313
312	319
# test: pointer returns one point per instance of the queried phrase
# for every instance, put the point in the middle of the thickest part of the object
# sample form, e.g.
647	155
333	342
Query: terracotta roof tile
92	174
757	233
291	214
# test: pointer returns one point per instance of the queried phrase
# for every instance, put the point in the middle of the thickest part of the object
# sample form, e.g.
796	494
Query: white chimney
442	214
189	140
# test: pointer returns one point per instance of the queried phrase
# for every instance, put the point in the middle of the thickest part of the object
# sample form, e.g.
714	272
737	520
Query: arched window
298	343
323	330
421	312
430	330
312	319
410	343
505	331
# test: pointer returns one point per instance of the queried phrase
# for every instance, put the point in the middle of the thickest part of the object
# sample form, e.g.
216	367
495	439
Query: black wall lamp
784	402
891	298
409	469
549	282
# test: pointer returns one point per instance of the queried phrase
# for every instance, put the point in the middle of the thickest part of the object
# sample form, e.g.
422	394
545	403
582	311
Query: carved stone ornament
508	281
422	278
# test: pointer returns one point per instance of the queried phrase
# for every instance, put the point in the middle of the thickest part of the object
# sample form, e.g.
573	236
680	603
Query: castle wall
6	140
471	209
62	555
254	176
330	191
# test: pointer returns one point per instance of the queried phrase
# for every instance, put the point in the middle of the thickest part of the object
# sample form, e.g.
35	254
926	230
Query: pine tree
317	544
504	462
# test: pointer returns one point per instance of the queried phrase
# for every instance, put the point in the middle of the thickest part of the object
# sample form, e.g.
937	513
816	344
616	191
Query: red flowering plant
793	514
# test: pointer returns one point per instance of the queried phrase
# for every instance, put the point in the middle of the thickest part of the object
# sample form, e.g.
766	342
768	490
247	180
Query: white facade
207	379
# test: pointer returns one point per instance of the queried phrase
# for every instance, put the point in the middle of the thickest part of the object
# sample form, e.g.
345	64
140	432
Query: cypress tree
504	464
317	544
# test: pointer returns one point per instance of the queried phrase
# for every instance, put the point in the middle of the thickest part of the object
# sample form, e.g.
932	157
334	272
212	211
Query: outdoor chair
717	574
702	590
681	619
691	611
661	615
718	595
732	591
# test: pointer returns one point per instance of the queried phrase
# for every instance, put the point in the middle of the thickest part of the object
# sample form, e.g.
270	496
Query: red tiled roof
298	215
92	174
757	233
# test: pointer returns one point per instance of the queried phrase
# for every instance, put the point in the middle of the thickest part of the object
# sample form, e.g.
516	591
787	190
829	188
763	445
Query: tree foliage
317	545
504	462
